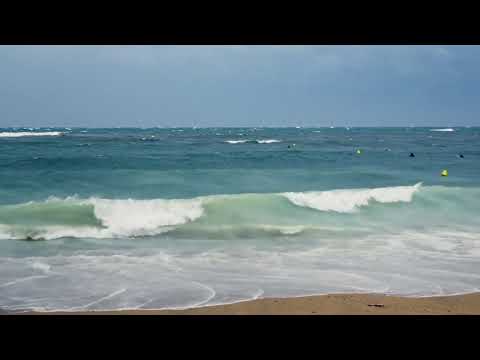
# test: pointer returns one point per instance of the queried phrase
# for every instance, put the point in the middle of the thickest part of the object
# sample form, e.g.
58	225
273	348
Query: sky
241	85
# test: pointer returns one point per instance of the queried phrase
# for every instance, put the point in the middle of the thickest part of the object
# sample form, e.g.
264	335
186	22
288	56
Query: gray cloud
238	85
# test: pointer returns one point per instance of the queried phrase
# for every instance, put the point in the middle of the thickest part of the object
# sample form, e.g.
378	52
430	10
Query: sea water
128	218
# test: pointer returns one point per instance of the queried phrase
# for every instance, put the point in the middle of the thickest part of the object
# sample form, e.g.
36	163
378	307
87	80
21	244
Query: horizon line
232	127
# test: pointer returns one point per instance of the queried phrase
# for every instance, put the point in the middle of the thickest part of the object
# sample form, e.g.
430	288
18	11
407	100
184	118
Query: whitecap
21	134
349	200
236	141
268	141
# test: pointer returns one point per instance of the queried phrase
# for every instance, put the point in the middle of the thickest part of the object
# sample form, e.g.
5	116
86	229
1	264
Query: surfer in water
411	155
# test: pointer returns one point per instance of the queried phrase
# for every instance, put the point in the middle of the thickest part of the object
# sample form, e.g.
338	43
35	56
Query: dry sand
351	304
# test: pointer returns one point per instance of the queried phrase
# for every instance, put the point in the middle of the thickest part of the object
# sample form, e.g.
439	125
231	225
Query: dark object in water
412	155
461	156
31	238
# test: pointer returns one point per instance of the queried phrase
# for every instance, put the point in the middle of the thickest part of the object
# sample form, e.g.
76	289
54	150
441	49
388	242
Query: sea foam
115	218
349	200
21	134
236	141
243	141
268	141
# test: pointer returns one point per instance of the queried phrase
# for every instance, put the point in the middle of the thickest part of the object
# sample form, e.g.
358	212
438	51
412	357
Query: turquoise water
169	218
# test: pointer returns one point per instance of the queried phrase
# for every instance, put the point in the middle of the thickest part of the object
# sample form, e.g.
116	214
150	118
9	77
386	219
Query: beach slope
338	304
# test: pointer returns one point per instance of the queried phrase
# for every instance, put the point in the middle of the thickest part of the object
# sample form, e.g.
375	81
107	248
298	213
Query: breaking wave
350	200
321	213
243	141
447	130
21	134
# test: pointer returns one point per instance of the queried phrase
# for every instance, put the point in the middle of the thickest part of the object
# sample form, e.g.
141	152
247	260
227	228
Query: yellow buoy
359	151
444	173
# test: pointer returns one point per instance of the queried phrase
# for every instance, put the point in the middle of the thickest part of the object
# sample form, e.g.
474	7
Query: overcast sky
146	86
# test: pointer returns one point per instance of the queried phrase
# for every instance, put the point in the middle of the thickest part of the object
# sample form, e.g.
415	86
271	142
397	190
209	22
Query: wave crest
222	215
243	141
349	200
21	134
236	141
144	217
268	141
95	218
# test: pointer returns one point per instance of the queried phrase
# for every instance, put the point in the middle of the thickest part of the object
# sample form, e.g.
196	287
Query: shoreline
335	304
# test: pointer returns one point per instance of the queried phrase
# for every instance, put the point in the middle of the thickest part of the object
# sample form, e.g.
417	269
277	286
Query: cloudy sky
104	86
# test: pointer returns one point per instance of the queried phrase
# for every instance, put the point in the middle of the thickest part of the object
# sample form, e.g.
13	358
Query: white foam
119	218
41	266
24	133
160	279
448	129
285	230
236	141
17	281
109	296
350	200
268	141
144	217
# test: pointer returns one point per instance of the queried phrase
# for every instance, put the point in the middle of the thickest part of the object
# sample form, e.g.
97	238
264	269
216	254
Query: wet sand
351	304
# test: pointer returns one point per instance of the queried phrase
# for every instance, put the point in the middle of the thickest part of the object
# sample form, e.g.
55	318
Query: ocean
157	218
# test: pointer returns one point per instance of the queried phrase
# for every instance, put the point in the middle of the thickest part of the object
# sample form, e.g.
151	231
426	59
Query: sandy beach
338	304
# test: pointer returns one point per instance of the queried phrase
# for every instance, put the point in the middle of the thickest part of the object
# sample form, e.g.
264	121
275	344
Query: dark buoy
412	155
